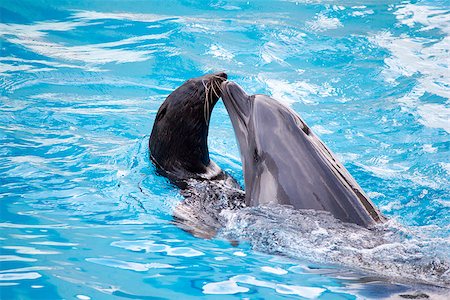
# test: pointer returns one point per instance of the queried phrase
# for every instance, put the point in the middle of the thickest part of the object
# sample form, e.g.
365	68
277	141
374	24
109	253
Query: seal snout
222	75
218	77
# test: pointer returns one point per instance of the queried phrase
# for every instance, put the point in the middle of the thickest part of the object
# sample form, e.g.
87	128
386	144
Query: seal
284	162
178	148
179	140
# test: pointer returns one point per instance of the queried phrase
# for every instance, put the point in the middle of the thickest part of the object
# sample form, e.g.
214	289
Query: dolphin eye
255	155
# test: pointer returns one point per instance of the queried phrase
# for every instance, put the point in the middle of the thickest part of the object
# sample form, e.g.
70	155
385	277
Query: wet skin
284	162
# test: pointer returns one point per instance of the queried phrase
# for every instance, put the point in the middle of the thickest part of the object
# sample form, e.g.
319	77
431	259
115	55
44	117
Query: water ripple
139	267
19	276
84	213
150	246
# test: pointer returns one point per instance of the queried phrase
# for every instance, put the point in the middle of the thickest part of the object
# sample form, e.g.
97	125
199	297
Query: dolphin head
256	120
284	162
239	106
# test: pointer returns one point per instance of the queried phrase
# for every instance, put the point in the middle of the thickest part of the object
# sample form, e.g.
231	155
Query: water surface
83	213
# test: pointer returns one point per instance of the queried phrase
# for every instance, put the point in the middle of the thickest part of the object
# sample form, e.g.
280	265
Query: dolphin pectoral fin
265	188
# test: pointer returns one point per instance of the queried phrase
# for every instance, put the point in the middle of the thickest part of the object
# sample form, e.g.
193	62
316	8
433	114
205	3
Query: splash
389	250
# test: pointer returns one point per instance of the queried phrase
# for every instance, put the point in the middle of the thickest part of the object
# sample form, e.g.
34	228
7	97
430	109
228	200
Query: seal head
179	139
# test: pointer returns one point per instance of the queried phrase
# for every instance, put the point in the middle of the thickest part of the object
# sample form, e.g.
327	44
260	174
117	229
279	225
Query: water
83	214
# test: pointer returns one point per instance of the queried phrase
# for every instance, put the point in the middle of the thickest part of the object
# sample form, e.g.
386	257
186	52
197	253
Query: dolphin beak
236	100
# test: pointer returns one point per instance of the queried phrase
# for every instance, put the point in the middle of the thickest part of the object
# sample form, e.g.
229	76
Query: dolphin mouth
236	101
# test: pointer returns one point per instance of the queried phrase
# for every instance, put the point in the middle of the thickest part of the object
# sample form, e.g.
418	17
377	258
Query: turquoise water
83	214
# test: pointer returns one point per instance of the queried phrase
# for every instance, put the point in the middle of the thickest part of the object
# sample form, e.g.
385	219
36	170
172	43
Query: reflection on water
83	214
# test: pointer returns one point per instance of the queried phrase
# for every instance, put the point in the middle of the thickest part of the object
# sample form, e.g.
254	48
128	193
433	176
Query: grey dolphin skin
284	162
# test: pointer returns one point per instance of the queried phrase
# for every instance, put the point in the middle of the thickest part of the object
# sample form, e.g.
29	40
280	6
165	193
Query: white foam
29	250
321	129
184	251
272	52
4	68
429	148
19	276
57	244
231	7
435	116
384	171
223	288
37	30
338	7
92	54
231	286
221	258
430	17
16	258
33	37
34	65
247	279
27	269
150	246
289	93
302	291
445	203
27	236
220	52
277	270
445	166
323	23
95	15
362	13
426	56
120	264
375	194
386	250
281	44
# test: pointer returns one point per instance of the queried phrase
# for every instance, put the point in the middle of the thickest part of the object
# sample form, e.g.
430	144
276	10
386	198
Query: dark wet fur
179	149
178	142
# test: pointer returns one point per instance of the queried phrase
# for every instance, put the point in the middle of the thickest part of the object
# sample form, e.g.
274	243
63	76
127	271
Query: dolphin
285	163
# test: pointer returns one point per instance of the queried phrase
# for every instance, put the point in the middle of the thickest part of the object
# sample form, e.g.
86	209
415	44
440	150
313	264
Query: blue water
85	216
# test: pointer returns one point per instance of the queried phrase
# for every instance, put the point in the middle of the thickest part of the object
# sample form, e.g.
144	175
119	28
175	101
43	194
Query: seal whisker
207	111
214	89
204	85
206	104
219	87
